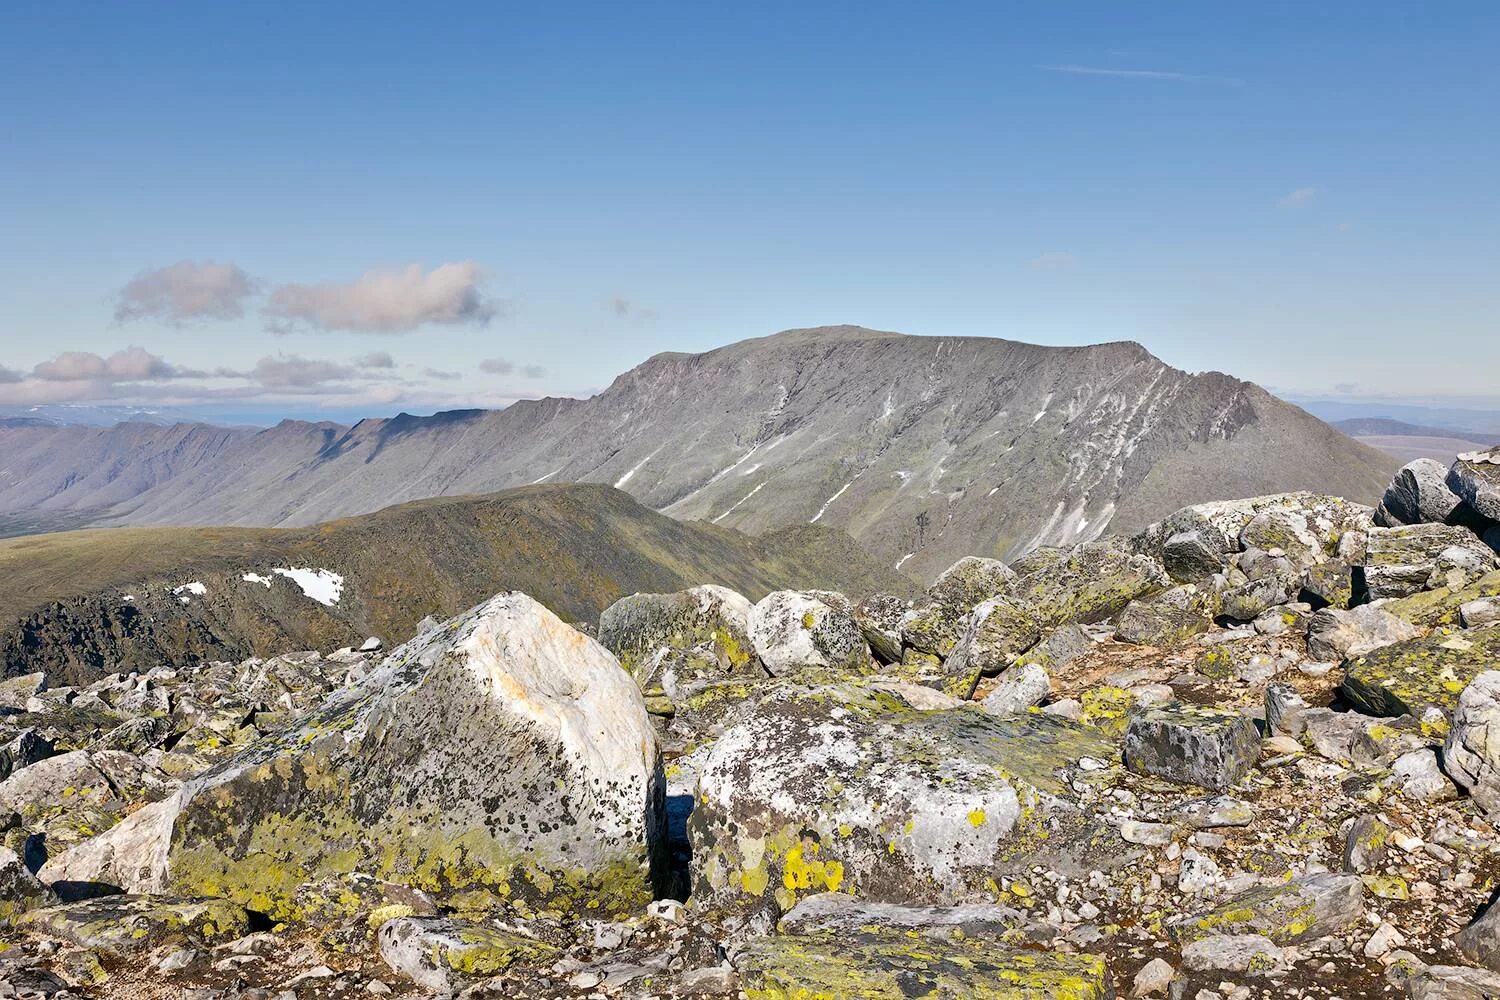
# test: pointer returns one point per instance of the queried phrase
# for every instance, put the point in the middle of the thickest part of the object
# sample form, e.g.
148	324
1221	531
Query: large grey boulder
1168	619
1304	908
1191	745
999	630
1019	688
502	755
795	633
20	890
1086	584
1471	753
1480	940
1475	477
1334	634
970	581
1197	541
849	789
707	627
440	954
1419	493
1402	561
1413	676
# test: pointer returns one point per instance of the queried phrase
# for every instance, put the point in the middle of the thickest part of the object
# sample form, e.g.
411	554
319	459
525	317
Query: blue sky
321	209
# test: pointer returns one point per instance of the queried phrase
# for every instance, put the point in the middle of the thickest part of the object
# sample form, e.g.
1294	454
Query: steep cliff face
924	449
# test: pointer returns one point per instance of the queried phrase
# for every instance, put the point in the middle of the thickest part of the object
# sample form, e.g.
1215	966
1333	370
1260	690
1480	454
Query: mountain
75	602
1406	442
924	449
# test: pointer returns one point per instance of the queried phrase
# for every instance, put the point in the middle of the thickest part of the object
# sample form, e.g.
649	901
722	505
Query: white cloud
1052	260
134	364
497	366
184	291
291	371
394	301
1301	196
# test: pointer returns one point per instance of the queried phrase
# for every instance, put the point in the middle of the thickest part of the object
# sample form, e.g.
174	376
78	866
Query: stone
1155	977
1189	745
1302	909
129	925
840	913
1198	873
1062	646
1214	812
1485	611
130	856
26	748
1249	953
1401	561
1334	634
1418	494
999	630
1247	601
1444	605
1284	710
848	789
879	620
1020	687
885	964
1285	531
440	954
710	623
794	633
1475	478
1366	844
20	890
1385	940
971	581
1480	940
1328	585
1086	584
501	756
1168	619
1134	831
1408	677
1194	555
1418	776
1470	756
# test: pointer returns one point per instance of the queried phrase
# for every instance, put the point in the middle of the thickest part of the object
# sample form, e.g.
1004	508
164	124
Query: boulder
1475	477
1470	756
1481	612
1168	619
1061	647
1304	908
1020	687
20	890
1480	940
795	633
850	789
885	963
1197	540
1243	953
1334	635
1190	745
879	620
998	632
1418	494
502	755
440	954
1444	605
1402	561
1429	672
130	856
708	625
971	581
1086	584
932	629
1328	585
129	925
1286	532
841	913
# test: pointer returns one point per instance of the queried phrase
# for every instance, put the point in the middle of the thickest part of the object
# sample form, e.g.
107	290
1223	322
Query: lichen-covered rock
1410	677
875	965
1471	754
1086	584
1480	940
128	925
839	912
1405	560
1444	605
1286	531
1195	541
1328	585
130	856
1334	635
971	581
19	889
879	620
1247	601
1301	909
999	630
440	954
1475	477
795	633
1190	745
503	755
933	629
708	624
851	789
1244	953
1061	647
1168	619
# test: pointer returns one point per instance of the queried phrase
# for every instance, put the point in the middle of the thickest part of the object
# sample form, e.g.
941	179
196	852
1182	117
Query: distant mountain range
1405	441
77	602
924	449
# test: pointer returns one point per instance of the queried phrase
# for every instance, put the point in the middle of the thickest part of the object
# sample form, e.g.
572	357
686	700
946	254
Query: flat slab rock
1190	745
440	954
1407	678
1475	477
882	964
1304	908
126	925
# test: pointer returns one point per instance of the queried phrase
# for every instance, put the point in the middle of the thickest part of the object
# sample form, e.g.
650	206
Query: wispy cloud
1301	196
184	291
500	366
1052	260
1138	74
626	309
533	371
394	301
375	359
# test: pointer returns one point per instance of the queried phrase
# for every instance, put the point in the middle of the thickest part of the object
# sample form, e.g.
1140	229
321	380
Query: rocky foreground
1244	753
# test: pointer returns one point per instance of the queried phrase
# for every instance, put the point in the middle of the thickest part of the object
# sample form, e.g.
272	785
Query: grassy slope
575	548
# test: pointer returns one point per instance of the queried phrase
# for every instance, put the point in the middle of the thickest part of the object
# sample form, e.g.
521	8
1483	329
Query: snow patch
188	591
264	581
902	560
619	483
548	476
322	585
824	509
1043	411
747	496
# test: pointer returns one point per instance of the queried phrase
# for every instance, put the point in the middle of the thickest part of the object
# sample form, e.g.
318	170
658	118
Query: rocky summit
1247	751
